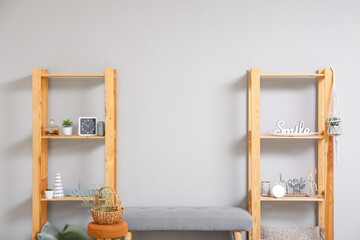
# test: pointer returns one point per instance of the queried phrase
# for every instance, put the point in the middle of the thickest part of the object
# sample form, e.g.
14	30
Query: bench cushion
187	219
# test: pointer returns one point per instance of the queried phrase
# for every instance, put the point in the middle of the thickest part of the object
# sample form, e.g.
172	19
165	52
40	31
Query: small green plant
67	123
48	189
334	121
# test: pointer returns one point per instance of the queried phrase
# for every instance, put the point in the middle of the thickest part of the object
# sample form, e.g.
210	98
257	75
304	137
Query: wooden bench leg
237	235
129	236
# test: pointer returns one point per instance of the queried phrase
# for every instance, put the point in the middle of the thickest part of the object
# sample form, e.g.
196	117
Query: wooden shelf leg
44	145
36	203
329	158
325	155
329	196
129	236
237	235
321	159
40	149
254	152
110	128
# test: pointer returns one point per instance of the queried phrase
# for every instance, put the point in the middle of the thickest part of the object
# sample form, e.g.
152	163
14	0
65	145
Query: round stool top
107	231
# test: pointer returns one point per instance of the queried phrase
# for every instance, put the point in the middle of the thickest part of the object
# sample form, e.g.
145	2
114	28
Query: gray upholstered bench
231	219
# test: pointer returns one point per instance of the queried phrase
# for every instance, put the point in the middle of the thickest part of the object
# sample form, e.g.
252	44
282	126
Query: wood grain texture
67	198
321	164
249	143
249	137
254	154
293	199
115	128
129	236
292	75
329	199
237	235
329	163
44	144
73	137
110	129
73	75
292	137
36	204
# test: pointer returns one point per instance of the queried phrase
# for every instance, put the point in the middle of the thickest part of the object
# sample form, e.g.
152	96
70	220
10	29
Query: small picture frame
87	126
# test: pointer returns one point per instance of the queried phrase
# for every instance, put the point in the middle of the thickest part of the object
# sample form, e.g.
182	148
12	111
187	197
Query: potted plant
67	127
49	193
335	126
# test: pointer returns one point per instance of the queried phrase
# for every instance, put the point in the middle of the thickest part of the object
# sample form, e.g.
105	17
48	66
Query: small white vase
49	194
67	131
58	189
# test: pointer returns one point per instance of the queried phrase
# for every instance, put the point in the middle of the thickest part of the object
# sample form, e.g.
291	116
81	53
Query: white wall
182	80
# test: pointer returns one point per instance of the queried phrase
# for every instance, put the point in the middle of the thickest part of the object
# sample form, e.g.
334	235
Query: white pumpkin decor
278	190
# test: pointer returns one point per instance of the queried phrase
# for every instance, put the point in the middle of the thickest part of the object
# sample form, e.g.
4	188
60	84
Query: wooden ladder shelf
324	159
40	142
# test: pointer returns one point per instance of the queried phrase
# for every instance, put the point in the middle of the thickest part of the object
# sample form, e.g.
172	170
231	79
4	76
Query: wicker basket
113	214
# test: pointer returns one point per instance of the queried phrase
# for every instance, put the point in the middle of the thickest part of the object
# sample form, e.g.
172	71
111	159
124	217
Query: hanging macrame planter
335	121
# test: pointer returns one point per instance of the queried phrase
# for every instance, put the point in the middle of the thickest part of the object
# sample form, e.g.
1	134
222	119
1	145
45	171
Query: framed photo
87	126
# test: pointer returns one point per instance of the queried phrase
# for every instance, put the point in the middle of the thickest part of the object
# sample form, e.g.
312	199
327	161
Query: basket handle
116	199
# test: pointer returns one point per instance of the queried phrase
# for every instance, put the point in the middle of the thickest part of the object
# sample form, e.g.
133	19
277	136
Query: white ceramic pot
67	131
49	194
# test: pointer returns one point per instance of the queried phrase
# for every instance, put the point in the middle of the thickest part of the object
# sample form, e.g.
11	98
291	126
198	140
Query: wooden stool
113	231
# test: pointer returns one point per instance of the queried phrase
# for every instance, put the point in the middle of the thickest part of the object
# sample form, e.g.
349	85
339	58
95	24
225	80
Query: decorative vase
101	128
49	194
67	131
58	189
265	188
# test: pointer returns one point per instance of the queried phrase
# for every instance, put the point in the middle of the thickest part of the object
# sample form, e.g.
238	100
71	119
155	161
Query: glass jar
265	188
52	129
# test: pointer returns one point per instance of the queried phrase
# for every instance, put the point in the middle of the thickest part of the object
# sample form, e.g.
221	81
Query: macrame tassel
336	151
335	121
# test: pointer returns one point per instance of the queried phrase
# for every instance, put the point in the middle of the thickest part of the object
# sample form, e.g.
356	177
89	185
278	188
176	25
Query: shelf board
294	199
65	199
73	137
293	75
292	137
72	75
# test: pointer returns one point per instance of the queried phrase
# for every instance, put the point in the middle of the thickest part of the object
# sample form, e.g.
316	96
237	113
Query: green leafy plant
48	189
334	121
67	123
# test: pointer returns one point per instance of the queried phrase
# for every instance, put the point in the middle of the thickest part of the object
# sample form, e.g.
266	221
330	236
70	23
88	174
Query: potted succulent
67	127
49	193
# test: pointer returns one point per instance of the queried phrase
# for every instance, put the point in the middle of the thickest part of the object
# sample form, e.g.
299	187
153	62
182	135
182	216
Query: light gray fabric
291	233
187	219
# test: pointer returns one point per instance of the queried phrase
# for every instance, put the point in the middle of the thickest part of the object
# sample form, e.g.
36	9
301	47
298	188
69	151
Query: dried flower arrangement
106	206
